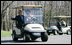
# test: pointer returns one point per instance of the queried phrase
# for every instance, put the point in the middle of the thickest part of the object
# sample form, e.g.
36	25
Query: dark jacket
19	21
58	25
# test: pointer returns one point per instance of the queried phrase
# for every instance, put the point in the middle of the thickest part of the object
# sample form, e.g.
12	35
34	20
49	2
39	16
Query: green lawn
6	33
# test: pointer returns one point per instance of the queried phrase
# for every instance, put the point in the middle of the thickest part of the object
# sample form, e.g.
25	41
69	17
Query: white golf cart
55	30
33	28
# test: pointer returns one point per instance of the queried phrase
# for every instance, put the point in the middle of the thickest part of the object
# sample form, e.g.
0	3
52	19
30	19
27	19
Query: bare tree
50	9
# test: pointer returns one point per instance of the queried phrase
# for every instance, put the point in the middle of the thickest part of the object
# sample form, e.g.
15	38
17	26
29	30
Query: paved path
55	39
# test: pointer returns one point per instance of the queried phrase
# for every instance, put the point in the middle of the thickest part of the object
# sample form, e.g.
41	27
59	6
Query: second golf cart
33	28
65	29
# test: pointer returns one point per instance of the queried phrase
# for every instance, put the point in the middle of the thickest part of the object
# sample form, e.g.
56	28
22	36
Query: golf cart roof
62	17
27	6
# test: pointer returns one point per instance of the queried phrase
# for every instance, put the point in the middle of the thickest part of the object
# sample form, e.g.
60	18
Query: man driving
60	23
19	19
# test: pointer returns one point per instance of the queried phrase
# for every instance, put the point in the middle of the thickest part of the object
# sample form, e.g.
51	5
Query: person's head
58	20
62	20
20	12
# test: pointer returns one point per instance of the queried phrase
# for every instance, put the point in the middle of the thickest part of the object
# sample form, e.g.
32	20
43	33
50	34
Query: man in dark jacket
19	19
59	24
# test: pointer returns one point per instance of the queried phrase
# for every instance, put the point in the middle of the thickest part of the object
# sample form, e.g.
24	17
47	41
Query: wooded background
50	9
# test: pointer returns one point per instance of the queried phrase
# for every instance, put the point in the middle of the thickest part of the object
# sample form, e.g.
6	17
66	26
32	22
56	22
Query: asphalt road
55	39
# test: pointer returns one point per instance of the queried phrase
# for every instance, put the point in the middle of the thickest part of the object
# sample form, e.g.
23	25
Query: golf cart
55	30
33	29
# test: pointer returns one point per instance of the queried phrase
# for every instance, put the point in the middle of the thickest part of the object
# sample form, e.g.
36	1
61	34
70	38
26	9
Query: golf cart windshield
33	15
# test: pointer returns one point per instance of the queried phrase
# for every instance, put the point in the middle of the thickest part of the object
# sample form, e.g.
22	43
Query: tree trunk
50	12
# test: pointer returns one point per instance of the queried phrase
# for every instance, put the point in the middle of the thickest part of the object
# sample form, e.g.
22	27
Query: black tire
48	32
60	32
55	32
68	32
44	37
27	37
14	36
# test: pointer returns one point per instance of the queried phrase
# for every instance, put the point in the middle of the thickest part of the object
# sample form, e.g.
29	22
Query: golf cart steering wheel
33	19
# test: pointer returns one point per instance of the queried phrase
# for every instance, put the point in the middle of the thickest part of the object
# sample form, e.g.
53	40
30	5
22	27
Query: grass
6	33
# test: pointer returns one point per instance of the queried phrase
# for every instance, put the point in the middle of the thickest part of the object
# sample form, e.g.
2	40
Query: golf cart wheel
60	32
48	32
26	37
14	36
44	37
68	32
15	39
55	32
